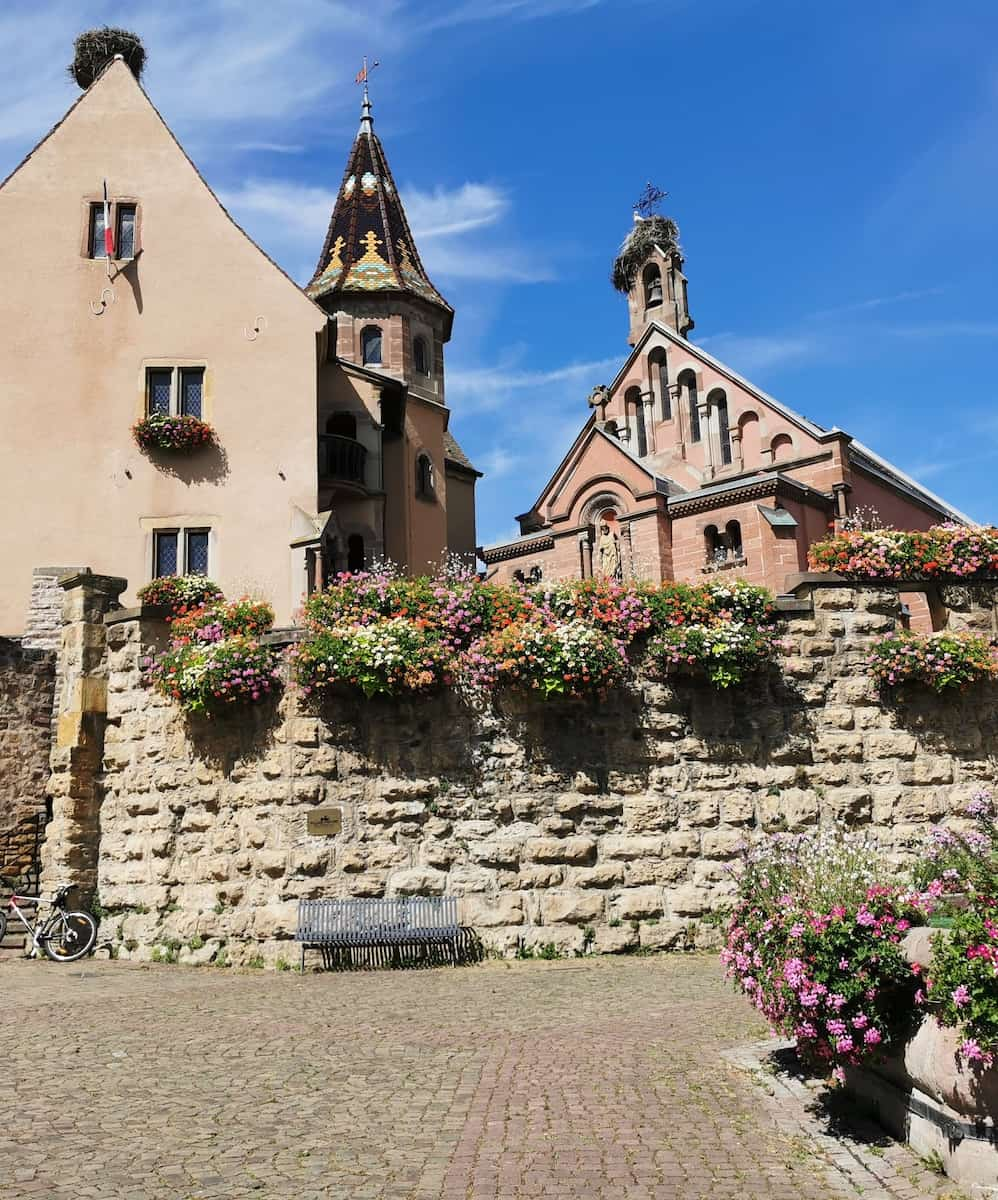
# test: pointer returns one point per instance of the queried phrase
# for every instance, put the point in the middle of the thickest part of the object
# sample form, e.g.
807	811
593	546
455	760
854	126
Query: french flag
108	231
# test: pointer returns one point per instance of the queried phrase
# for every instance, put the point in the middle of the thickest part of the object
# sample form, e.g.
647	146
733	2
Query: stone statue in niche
608	552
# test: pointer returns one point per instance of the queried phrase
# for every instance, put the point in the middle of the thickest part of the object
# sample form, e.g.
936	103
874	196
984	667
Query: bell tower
648	270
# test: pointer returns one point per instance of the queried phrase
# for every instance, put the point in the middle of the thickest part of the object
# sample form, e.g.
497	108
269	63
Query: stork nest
639	243
95	48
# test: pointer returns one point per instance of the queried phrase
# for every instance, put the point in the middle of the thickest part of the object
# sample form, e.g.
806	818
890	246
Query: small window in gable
124	242
96	237
370	346
421	356
192	391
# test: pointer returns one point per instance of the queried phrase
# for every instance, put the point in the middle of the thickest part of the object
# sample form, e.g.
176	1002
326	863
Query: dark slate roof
454	454
369	246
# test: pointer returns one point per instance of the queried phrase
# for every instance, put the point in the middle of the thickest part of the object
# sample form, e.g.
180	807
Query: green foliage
962	988
208	677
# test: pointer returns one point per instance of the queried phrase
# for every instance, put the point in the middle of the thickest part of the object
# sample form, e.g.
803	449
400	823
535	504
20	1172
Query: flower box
178	434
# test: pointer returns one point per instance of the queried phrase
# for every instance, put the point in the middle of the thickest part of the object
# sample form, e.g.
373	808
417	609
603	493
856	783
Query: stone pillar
71	845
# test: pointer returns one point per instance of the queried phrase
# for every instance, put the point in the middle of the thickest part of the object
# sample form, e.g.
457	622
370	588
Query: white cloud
442	213
747	353
473	11
486	388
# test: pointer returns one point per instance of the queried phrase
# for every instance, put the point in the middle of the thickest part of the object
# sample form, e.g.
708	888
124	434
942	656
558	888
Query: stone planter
926	1096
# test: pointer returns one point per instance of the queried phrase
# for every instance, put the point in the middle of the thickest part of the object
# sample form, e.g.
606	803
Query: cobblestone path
597	1079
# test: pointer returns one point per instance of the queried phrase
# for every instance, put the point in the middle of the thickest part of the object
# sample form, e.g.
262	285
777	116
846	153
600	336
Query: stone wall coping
793	604
113	584
286	635
812	579
144	612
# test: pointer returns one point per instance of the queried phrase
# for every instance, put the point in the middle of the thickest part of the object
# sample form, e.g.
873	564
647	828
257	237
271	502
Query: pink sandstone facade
686	471
333	442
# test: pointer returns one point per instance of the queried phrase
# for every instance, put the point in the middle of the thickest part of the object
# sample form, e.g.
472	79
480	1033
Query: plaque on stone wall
325	822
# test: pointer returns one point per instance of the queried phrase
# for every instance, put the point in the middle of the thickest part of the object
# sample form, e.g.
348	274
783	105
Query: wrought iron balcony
341	458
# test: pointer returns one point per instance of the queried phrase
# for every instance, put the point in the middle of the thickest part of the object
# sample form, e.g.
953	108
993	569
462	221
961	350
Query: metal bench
411	930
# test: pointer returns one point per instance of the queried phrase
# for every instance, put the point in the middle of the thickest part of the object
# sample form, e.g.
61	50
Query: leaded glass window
96	230
160	387
191	391
197	551
165	553
124	243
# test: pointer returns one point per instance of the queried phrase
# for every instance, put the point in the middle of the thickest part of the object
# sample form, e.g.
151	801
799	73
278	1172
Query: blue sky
833	170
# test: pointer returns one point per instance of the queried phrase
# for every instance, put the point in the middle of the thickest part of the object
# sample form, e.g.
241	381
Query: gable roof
369	246
857	451
117	64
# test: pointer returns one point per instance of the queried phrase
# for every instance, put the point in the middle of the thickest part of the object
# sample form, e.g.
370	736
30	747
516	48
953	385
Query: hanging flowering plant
620	609
815	943
945	662
160	431
215	659
725	652
391	656
570	658
179	592
945	551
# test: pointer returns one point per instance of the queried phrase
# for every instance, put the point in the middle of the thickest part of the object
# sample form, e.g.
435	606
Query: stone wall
610	823
26	690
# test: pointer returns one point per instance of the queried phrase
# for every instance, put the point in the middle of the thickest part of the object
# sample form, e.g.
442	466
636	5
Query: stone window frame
182	525
176	366
96	200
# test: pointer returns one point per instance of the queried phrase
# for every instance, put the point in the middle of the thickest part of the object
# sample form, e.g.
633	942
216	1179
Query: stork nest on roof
639	243
95	48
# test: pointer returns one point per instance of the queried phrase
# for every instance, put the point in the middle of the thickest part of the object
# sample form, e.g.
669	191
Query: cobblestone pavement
601	1079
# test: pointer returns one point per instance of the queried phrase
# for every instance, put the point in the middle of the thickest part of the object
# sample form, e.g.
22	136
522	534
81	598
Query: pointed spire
369	246
366	120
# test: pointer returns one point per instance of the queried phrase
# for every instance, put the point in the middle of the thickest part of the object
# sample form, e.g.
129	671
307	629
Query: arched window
634	403
688	383
342	424
718	403
733	532
370	346
783	447
355	553
713	543
653	286
421	356
748	423
658	369
424	476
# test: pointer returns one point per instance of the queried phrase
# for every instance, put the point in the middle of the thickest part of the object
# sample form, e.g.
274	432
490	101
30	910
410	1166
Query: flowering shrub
945	551
814	942
175	433
961	987
390	655
177	592
215	658
942	661
569	658
620	609
725	652
206	677
213	622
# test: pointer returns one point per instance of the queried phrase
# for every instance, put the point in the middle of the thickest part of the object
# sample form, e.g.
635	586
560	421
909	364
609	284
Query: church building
330	436
685	470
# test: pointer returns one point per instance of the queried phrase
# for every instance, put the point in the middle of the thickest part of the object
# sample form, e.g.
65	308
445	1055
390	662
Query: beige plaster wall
74	486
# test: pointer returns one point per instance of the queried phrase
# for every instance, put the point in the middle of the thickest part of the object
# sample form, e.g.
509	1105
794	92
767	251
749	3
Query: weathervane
648	202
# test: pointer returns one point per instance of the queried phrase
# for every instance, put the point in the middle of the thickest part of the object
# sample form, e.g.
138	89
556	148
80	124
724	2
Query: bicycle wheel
71	937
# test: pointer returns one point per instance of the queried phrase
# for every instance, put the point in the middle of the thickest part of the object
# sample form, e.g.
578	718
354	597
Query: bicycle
66	935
